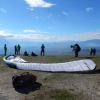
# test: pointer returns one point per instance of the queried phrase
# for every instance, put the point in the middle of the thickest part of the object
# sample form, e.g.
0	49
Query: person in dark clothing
94	51
42	49
5	49
33	54
25	53
18	48
91	51
76	48
15	49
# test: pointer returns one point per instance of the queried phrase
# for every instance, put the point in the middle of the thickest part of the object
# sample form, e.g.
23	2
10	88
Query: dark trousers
90	53
76	53
94	53
15	52
5	52
42	52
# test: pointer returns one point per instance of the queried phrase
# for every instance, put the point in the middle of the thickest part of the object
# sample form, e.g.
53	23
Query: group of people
17	49
32	54
76	49
92	51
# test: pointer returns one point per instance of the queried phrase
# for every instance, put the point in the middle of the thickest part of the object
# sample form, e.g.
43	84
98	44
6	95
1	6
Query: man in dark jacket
76	48
42	49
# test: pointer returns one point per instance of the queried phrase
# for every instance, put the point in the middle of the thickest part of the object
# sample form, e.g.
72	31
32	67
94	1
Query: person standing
15	49
94	51
76	48
91	51
42	49
19	47
5	49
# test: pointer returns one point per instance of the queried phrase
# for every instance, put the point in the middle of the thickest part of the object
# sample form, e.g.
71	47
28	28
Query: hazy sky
49	20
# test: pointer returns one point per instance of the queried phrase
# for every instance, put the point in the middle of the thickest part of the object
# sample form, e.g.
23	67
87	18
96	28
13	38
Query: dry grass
52	86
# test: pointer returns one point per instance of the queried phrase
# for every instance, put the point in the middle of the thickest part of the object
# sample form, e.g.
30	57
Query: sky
49	20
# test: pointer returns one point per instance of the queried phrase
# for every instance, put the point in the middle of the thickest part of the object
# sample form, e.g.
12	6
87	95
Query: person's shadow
26	90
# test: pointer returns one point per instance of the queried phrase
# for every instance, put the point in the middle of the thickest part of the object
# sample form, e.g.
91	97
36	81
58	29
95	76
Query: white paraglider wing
73	66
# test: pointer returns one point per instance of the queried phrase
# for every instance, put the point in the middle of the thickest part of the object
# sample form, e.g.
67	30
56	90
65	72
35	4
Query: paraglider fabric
73	66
